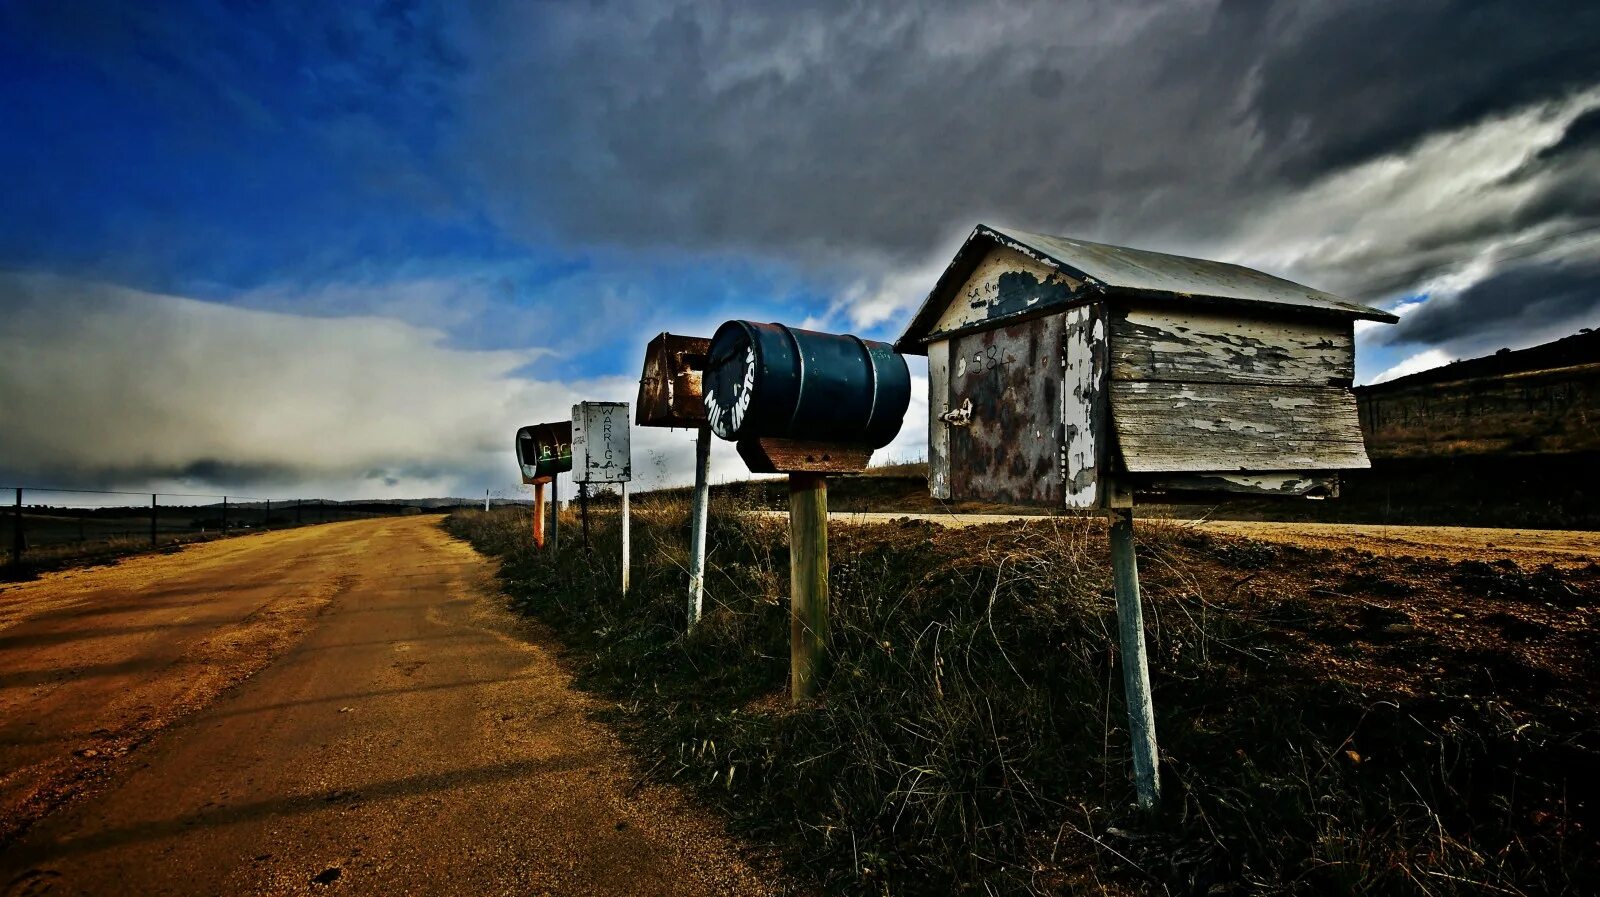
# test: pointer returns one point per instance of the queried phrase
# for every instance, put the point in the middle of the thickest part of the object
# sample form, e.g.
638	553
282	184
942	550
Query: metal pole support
626	547
808	582
697	524
1135	662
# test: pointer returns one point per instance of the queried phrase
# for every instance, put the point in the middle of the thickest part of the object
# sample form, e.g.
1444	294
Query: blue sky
524	193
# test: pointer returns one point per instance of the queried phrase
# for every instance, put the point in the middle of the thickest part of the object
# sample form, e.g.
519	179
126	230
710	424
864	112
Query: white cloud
1421	361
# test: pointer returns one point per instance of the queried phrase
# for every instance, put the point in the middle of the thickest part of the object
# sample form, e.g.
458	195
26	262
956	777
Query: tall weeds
971	738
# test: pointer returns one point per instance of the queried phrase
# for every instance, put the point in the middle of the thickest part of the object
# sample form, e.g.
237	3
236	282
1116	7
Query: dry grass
971	739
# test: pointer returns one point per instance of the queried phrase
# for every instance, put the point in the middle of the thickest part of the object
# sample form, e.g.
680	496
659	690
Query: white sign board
600	443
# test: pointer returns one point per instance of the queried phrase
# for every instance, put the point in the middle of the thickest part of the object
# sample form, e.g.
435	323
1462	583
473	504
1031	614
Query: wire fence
44	526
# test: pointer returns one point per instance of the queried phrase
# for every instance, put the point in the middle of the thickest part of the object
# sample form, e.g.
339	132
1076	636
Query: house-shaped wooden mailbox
1063	373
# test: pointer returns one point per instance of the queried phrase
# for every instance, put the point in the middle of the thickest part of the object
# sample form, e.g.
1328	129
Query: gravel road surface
337	708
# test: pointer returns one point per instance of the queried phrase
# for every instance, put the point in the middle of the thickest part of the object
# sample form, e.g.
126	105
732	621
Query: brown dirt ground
347	703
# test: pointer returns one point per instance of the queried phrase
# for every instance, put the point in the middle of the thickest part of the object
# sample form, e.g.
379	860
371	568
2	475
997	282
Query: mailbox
600	443
1058	367
768	380
544	450
669	388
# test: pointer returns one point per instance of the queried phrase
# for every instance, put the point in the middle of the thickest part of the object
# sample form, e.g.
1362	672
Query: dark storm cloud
845	131
1521	299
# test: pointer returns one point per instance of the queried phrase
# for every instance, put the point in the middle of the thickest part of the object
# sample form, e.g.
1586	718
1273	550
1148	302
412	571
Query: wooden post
625	545
1135	663
152	519
16	532
538	515
583	510
224	515
555	512
266	521
808	582
697	524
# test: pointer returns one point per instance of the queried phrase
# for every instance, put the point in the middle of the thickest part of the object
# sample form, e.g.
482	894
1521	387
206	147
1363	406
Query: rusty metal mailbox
669	387
544	450
1057	366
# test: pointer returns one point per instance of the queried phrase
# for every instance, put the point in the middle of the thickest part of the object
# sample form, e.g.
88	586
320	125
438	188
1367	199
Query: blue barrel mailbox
544	450
772	381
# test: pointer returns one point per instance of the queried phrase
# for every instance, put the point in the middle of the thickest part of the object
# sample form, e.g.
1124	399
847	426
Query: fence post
224	515
16	532
808	582
697	524
1135	663
152	520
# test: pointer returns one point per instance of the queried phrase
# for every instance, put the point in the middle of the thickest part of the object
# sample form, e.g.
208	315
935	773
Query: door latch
959	417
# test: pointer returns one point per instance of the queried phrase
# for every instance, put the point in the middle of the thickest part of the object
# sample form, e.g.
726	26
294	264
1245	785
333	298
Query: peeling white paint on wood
1209	346
972	303
1281	483
938	431
1222	427
1083	363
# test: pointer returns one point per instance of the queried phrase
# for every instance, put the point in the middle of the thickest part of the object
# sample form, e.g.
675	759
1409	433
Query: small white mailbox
1057	367
600	443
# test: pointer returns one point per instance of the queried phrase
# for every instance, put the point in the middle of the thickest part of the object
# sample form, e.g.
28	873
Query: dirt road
1526	547
344	706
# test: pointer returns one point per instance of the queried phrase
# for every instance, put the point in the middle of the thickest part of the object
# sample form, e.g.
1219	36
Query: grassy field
1329	722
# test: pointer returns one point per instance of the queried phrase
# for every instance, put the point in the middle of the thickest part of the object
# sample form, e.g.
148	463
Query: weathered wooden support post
16	531
152	519
224	515
808	582
538	515
699	510
806	404
1135	660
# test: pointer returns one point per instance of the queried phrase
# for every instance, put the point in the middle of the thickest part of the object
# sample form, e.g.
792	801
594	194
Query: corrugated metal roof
1117	269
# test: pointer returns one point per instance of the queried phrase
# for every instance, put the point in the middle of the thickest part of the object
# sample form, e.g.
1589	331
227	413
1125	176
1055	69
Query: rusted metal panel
601	443
1005	431
1085	407
1218	427
1218	346
669	387
938	406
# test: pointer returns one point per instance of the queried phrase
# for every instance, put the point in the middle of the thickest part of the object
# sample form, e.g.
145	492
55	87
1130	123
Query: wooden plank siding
1202	391
938	431
1168	427
1212	347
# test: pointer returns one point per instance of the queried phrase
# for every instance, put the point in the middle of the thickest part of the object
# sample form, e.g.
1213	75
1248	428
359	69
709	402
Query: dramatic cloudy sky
347	248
